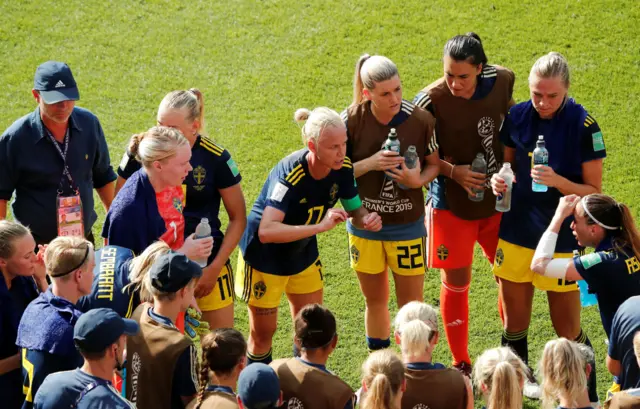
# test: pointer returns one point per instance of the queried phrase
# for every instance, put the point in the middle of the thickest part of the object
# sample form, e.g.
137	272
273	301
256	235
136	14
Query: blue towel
47	325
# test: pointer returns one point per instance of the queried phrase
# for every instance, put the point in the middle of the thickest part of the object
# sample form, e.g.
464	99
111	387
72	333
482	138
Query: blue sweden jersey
304	200
110	276
612	276
572	138
213	170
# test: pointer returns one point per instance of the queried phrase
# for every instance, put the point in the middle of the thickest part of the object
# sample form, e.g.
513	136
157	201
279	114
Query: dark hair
608	211
467	48
222	350
91	356
315	326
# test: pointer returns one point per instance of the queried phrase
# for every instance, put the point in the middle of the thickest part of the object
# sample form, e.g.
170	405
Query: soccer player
602	223
383	381
499	374
149	206
429	384
215	177
469	103
576	151
100	336
387	186
162	362
45	333
223	358
565	367
279	251
630	398
305	381
23	278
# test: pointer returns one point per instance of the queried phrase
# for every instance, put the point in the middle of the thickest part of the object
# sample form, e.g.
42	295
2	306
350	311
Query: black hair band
86	254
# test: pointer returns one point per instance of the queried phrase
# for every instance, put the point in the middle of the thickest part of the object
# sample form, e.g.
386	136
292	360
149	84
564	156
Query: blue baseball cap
173	271
259	387
97	329
55	83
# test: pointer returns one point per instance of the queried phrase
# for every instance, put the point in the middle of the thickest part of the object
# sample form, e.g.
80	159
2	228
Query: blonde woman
565	368
149	206
499	375
383	381
215	177
23	278
279	251
428	383
389	187
45	333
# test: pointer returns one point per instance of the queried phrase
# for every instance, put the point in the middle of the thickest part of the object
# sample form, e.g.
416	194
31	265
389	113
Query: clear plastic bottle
478	165
540	157
392	143
410	160
203	229
503	201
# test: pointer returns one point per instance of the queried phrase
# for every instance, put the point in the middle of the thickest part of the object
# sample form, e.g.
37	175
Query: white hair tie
586	210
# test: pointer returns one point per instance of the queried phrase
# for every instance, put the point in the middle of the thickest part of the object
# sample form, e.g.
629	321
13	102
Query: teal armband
351	204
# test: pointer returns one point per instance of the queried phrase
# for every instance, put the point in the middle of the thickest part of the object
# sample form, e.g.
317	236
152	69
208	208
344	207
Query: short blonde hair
316	121
563	369
65	255
502	373
416	338
416	310
382	376
157	144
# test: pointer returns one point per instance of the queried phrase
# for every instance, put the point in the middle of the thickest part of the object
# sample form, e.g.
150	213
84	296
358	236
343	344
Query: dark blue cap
173	271
97	329
55	82
259	387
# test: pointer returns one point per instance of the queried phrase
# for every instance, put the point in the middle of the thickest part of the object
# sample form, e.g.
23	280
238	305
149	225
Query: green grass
256	62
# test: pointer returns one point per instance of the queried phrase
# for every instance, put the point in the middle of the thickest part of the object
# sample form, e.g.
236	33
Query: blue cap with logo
97	329
173	271
55	83
259	387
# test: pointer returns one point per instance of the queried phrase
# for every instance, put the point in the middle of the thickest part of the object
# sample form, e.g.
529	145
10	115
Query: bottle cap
541	137
204	220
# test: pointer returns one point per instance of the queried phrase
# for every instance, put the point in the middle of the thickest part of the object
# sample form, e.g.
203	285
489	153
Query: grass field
257	61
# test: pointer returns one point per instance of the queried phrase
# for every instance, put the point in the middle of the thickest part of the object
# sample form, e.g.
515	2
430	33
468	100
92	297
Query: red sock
454	307
500	310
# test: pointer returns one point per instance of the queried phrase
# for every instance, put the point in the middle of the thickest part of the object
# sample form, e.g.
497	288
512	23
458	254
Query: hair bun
474	35
301	115
134	143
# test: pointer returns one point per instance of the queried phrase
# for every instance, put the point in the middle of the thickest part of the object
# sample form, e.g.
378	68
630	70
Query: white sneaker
531	390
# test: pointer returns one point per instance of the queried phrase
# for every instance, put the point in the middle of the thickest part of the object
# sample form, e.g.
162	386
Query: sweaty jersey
213	170
304	200
612	276
466	127
572	138
401	210
110	277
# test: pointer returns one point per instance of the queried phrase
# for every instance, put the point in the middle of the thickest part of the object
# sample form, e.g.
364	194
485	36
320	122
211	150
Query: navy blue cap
173	271
55	82
97	329
259	387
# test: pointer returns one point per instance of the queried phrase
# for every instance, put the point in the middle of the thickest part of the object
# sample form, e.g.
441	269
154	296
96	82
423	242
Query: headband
86	254
599	223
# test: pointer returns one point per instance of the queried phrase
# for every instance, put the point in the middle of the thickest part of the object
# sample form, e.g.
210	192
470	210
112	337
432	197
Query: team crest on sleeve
199	175
590	260
442	252
233	167
259	289
124	162
354	253
499	257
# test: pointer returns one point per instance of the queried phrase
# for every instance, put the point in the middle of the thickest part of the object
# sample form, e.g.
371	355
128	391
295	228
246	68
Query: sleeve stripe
589	121
347	160
344	115
297	179
347	165
407	107
423	100
294	173
211	147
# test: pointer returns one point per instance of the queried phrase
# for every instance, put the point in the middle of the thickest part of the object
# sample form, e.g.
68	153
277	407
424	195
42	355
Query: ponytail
415	338
505	388
382	379
140	266
629	234
564	371
200	115
467	48
358	86
371	70
191	101
379	393
204	381
156	144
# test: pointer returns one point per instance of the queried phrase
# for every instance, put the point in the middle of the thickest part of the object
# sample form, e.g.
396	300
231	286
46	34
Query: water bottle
410	160
392	143
503	202
540	157
478	165
202	230
586	298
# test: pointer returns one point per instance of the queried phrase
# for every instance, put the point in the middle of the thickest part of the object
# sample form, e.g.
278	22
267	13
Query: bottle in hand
410	161
479	165
203	229
392	143
503	202
540	157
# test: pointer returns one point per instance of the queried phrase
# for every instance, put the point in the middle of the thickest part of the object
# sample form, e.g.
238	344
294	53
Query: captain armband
352	204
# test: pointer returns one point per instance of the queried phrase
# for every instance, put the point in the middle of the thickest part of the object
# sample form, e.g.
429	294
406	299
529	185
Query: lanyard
63	155
86	390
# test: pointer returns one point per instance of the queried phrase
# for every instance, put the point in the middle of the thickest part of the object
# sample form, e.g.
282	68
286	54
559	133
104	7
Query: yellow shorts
222	294
264	290
405	258
513	263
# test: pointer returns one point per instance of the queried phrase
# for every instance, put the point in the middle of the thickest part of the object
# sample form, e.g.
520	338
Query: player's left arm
359	216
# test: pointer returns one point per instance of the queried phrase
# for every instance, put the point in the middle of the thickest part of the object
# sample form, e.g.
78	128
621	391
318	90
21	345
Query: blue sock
375	344
265	358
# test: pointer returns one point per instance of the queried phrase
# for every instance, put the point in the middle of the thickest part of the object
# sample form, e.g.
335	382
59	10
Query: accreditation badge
69	214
